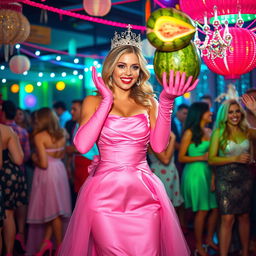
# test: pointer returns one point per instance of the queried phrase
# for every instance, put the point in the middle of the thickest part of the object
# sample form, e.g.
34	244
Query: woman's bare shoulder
6	130
92	98
92	101
153	101
42	135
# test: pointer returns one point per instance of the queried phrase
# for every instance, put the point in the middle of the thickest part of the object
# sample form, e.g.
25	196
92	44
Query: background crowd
208	170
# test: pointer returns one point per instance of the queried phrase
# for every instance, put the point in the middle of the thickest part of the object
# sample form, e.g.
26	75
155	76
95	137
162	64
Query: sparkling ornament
14	27
239	59
215	45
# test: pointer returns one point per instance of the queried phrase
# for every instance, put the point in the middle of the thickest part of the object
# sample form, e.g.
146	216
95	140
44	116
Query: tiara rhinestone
126	38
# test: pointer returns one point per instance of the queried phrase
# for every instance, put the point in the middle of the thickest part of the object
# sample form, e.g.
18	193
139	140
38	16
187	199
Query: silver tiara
126	38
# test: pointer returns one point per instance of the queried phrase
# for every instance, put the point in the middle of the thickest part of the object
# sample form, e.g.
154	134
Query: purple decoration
30	100
169	3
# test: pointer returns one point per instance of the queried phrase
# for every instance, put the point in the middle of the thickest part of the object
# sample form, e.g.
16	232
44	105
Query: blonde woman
229	152
123	208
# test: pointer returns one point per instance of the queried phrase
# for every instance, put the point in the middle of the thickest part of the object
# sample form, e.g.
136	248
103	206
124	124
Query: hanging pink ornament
240	57
97	7
19	64
201	8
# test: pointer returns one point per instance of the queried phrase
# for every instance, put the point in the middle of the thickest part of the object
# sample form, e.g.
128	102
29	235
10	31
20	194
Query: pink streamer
80	16
251	24
160	4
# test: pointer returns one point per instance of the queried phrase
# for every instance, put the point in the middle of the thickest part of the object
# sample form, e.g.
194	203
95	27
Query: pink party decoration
240	58
81	16
19	64
168	3
97	7
201	8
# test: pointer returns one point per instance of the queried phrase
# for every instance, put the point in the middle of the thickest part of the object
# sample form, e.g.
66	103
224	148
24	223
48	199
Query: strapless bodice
124	139
236	149
200	149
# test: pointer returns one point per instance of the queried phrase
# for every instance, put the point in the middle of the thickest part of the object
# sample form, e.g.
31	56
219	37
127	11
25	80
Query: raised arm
160	128
92	120
250	103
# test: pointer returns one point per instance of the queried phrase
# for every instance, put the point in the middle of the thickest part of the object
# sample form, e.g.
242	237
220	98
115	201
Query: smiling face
234	115
207	117
126	71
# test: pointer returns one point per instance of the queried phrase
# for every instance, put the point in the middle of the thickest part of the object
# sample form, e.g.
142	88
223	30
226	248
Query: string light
29	88
15	88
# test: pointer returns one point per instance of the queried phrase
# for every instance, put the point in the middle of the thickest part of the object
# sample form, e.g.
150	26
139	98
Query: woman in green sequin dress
196	179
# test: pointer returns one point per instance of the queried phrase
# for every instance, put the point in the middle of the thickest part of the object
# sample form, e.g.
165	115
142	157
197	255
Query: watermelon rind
186	60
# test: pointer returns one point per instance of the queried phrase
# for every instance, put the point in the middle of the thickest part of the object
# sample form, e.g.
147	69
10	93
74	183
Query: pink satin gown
122	208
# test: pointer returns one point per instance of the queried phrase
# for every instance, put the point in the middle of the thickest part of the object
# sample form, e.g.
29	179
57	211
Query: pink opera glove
159	136
88	133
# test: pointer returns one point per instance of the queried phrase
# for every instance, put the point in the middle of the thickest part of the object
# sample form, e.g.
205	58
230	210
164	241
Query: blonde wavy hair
140	93
47	120
222	118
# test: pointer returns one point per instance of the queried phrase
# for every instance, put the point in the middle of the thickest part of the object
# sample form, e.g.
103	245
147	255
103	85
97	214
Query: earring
138	82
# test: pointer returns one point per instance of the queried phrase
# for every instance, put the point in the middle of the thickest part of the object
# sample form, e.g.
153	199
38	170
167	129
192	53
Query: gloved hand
159	135
89	132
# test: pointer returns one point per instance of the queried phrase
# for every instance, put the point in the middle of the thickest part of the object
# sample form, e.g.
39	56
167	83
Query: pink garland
160	4
80	16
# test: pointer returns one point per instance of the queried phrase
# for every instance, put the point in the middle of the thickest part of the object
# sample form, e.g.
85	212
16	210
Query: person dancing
123	208
197	175
229	152
50	201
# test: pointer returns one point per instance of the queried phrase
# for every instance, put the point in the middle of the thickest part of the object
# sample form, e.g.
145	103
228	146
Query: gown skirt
50	197
196	181
122	208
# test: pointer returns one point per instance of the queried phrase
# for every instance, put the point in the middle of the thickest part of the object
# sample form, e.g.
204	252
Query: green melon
186	60
169	29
